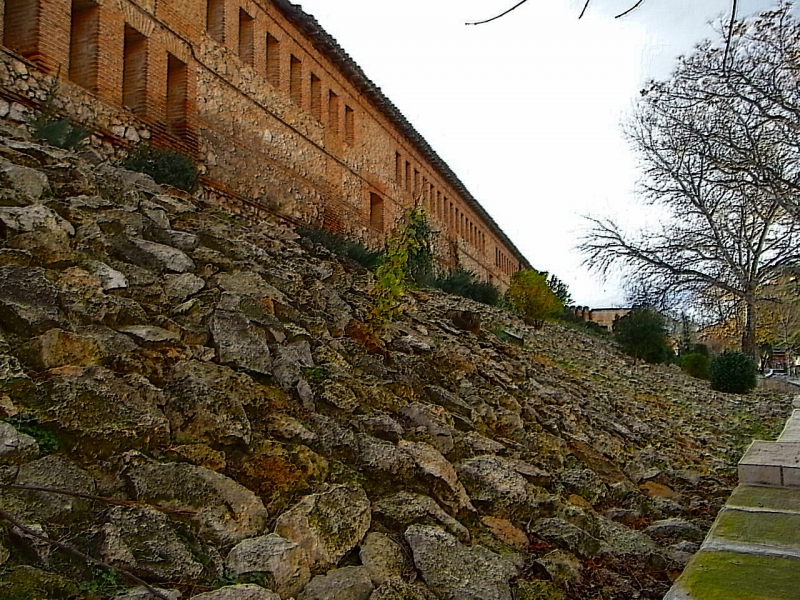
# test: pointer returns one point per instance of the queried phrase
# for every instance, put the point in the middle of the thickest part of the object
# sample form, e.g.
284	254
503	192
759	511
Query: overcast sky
527	109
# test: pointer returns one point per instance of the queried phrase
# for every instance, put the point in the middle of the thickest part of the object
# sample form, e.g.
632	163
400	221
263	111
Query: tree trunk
749	332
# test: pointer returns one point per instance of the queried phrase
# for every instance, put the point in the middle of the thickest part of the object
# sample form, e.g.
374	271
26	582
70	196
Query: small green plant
315	374
46	438
369	259
530	296
695	364
103	583
404	252
58	132
643	335
164	166
732	372
464	283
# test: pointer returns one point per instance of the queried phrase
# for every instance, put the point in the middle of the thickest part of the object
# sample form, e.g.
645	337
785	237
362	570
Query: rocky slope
201	389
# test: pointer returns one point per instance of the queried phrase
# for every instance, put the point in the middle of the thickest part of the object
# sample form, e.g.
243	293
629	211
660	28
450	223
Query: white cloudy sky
527	109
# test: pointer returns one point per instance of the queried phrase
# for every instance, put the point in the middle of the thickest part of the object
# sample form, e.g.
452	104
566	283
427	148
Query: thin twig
117	501
585	6
503	14
630	10
5	516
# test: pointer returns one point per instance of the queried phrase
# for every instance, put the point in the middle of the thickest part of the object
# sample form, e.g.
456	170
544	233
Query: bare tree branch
503	14
630	10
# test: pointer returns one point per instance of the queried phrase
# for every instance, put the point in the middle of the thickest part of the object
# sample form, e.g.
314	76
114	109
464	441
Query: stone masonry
271	107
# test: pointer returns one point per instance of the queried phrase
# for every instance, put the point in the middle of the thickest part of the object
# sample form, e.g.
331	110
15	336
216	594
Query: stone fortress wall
272	108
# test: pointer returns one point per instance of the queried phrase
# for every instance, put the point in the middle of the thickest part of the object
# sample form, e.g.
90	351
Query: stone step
774	464
791	432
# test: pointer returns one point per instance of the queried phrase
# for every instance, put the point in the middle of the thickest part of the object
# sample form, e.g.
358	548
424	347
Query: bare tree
722	165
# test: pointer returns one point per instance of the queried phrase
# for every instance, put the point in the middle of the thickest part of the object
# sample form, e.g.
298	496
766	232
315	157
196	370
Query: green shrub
464	283
732	372
164	166
643	335
695	364
58	132
369	259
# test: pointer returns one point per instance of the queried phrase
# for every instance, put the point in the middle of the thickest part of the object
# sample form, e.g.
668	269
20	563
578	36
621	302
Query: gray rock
14	381
400	590
383	456
289	362
381	426
327	525
54	471
181	287
227	512
28	301
148	334
245	591
457	572
142	593
340	396
448	400
142	539
383	558
35	217
349	583
442	476
246	283
432	420
671	530
585	483
110	279
29	184
16	447
405	508
569	537
105	413
283	561
239	342
165	257
205	402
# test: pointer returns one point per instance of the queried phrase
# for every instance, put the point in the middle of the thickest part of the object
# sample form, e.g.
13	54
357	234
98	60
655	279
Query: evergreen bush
732	372
643	335
369	259
58	132
464	283
164	166
695	364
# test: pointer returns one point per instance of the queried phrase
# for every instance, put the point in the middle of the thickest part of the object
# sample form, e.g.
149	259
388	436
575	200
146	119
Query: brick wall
269	113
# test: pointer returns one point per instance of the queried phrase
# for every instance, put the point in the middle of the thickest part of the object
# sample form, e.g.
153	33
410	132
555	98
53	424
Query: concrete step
791	432
774	464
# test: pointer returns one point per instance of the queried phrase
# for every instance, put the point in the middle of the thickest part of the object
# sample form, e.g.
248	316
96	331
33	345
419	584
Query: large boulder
34	218
404	508
494	483
284	563
15	447
327	525
439	474
205	403
244	591
28	301
383	558
457	572
348	583
225	511
239	342
102	412
144	541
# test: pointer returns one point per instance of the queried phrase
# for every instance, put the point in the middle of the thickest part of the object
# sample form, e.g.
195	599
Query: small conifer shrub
695	364
164	166
732	372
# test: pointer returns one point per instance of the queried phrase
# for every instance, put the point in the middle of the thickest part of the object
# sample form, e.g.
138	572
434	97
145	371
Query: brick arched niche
375	212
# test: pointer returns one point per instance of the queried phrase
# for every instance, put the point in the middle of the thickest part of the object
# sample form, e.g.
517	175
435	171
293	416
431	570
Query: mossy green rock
28	583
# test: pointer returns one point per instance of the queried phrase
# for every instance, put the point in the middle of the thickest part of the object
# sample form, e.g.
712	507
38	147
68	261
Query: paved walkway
753	549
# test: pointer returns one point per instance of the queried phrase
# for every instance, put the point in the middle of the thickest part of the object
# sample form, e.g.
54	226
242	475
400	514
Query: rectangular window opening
215	20
376	212
21	27
246	38
177	97
398	167
84	43
333	112
134	71
407	181
273	61
316	97
349	125
296	80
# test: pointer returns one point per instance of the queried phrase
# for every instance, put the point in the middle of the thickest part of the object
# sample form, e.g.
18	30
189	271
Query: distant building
605	317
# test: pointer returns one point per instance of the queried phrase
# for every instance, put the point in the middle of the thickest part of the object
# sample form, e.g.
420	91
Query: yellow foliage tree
530	295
